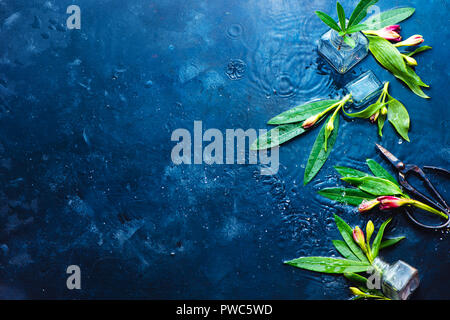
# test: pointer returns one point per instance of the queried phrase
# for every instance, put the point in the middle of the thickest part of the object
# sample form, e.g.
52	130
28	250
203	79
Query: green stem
425	207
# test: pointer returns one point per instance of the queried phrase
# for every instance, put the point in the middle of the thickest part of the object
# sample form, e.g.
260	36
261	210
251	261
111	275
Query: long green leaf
356	28
374	185
302	112
413	81
377	241
367	112
360	11
398	116
386	54
387	18
349	172
419	50
341	15
390	242
328	20
277	136
390	58
329	265
356	278
379	171
344	250
347	234
318	155
349	196
380	122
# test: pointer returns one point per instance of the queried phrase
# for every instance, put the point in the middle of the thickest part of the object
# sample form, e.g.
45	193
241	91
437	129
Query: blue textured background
85	171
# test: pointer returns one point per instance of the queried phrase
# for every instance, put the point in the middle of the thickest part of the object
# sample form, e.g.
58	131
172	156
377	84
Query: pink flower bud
358	236
390	202
388	33
308	123
411	41
368	205
374	117
394	27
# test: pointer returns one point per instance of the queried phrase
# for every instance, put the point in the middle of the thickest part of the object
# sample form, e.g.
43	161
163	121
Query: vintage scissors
405	170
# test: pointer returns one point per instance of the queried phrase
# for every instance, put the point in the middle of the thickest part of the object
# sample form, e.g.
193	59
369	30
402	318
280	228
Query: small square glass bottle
398	281
340	55
364	89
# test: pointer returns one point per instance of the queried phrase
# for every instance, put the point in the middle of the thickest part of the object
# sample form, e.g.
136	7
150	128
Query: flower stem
425	207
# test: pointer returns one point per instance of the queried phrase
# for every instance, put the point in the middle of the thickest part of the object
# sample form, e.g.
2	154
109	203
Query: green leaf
367	112
377	241
388	18
398	116
390	242
329	265
277	136
349	172
380	122
379	171
356	278
374	185
349	41
413	81
318	155
356	28
347	234
302	112
390	58
344	250
419	50
328	20
349	196
341	15
360	11
386	54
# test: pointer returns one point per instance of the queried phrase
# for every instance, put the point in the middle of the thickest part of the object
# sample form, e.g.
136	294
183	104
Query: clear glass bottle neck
380	265
338	41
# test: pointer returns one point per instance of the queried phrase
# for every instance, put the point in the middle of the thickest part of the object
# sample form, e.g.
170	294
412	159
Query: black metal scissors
404	170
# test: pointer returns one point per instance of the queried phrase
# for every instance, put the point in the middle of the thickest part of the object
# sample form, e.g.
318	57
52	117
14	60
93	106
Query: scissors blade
389	156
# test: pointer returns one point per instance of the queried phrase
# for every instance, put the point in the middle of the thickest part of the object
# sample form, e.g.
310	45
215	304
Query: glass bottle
340	55
398	281
364	89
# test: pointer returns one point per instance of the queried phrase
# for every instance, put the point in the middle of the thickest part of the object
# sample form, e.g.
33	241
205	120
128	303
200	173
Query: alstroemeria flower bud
374	117
368	205
330	126
369	230
410	60
308	123
358	236
388	33
411	41
390	202
357	292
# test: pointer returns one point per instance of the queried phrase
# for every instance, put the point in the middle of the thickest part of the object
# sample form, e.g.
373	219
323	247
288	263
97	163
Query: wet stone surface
86	178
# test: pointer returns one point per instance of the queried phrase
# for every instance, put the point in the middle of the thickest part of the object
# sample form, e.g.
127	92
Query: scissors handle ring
410	216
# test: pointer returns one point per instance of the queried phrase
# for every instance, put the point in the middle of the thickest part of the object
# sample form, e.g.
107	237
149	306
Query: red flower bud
368	205
308	123
390	202
388	33
411	41
358	236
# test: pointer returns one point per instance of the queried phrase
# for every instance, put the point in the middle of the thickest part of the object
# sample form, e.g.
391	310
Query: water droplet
149	84
235	69
400	141
234	31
